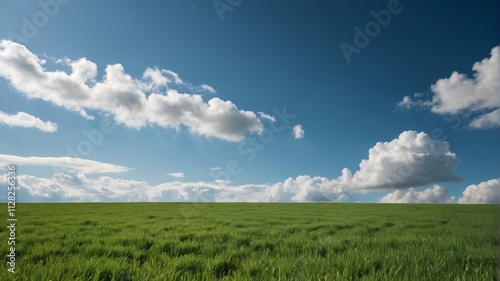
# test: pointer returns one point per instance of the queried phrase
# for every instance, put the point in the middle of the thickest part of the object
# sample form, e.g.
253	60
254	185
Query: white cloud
267	117
22	119
75	164
487	192
298	131
436	194
176	175
132	102
25	73
458	94
411	160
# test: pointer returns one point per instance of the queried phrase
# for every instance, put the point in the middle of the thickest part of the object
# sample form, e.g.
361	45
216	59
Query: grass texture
253	241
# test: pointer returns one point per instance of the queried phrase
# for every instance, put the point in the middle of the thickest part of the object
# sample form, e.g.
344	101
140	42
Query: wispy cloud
176	175
132	102
267	117
22	119
83	166
207	88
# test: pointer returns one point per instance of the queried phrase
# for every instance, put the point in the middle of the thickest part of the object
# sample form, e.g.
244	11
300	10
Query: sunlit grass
219	241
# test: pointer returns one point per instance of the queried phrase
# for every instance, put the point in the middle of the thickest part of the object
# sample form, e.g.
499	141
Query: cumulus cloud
78	165
22	119
176	175
216	118
298	131
487	192
436	194
413	159
307	189
478	96
133	102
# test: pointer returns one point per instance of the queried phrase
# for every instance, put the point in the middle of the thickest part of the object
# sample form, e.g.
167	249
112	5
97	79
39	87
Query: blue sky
191	93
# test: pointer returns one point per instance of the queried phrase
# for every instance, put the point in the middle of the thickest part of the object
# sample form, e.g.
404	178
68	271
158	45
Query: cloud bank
71	187
133	102
78	187
411	160
477	96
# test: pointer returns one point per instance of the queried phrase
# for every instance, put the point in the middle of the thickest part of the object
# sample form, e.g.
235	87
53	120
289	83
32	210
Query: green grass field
235	241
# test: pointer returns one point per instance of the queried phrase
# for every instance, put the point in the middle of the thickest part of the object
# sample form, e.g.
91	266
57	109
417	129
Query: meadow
253	241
